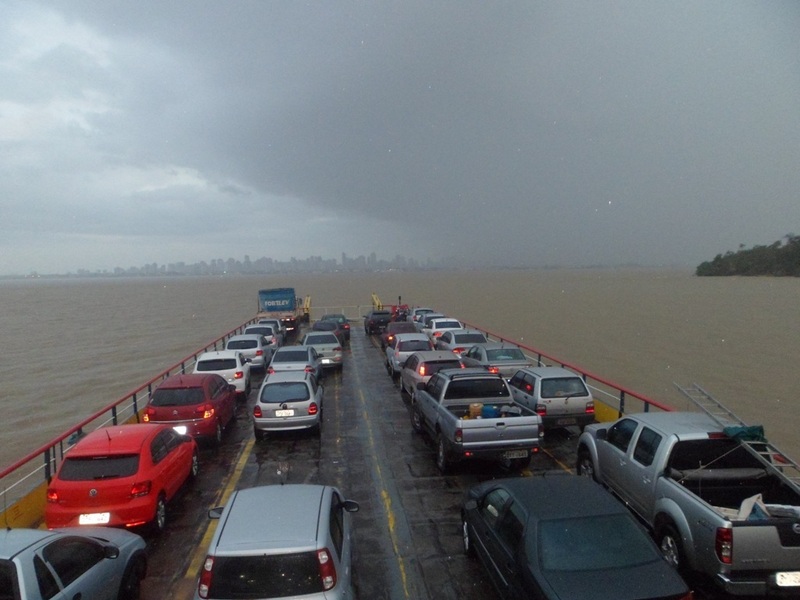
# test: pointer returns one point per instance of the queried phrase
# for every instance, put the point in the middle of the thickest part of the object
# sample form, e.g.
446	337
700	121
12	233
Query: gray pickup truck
470	413
715	504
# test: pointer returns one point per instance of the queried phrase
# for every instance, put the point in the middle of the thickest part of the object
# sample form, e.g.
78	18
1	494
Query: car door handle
77	596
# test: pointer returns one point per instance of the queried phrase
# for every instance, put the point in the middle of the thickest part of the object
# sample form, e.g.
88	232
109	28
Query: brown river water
74	346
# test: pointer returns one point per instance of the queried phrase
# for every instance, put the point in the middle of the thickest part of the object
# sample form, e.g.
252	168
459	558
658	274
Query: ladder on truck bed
726	418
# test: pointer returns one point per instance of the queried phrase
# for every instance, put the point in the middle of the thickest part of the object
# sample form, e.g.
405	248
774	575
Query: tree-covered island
780	259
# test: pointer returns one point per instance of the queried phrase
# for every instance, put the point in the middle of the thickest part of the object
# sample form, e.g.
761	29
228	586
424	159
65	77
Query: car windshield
413	345
91	468
177	397
290	391
320	338
241	344
595	543
505	354
560	387
217	364
469	338
266	576
291	356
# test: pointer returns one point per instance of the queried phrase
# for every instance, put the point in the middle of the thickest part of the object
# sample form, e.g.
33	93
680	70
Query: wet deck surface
408	530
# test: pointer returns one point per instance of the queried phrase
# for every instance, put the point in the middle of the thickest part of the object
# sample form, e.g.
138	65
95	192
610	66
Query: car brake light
238	375
590	408
207	410
140	488
437	333
270	370
327	570
422	370
541	410
459	436
723	544
313	408
257	411
52	496
204	585
493	369
259	353
337	349
458	350
309	369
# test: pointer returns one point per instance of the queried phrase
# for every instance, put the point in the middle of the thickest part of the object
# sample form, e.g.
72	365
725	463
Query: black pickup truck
375	321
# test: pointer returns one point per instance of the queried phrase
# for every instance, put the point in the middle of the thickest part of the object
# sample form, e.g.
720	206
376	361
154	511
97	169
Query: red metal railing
24	476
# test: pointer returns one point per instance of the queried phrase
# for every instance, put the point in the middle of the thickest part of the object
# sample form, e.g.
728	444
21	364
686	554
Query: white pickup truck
714	503
470	413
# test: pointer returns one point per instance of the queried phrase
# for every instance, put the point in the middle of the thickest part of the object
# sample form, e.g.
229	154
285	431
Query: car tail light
270	370
140	488
204	585
493	369
309	369
238	375
459	436
458	350
313	408
422	370
148	414
259	353
723	544
337	349
541	410
257	411
590	408
437	333
206	410
327	570
52	496
390	338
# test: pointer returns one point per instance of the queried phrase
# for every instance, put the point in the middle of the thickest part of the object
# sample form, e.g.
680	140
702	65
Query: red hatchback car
200	405
121	476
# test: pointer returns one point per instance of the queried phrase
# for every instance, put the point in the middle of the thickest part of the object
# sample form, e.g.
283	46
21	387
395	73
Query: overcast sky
529	132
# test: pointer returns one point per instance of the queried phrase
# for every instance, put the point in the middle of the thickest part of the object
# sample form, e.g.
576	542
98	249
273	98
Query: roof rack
761	448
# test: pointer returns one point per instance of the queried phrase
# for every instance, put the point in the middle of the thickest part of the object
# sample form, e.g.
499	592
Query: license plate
326	361
180	429
565	422
515	454
289	412
94	519
788	579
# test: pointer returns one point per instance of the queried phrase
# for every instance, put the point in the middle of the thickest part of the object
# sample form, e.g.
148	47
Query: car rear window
505	354
217	364
265	576
469	338
177	397
447	325
561	387
260	329
321	338
476	388
291	356
436	366
289	391
92	468
242	344
413	345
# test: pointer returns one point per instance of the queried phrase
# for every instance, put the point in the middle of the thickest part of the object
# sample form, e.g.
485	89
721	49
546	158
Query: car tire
669	541
584	467
517	464
469	549
131	586
416	419
442	459
160	517
195	468
260	435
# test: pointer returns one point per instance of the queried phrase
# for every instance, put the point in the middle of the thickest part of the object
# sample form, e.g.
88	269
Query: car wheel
517	464
195	465
130	588
160	519
584	465
469	549
442	460
260	435
416	419
218	434
671	547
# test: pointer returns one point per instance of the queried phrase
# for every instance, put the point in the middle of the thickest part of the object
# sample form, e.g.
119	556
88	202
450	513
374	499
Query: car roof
219	354
321	337
497	345
679	422
14	541
404	337
292	524
562	496
247	336
284	376
186	380
429	355
117	439
293	348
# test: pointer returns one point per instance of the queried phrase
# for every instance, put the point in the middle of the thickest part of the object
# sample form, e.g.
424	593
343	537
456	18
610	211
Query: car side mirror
231	388
422	386
216	512
110	551
350	505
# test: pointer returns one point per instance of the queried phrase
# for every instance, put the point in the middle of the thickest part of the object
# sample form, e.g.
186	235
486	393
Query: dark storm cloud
528	132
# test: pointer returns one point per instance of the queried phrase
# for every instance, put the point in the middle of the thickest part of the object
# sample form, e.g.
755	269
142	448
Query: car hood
654	580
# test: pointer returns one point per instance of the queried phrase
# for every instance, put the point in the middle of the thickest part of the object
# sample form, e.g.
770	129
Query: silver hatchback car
303	550
288	400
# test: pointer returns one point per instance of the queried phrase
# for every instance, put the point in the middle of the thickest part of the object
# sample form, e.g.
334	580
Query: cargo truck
281	303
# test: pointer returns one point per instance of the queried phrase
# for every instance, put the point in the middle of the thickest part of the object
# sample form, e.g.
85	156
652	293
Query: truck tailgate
500	432
773	545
